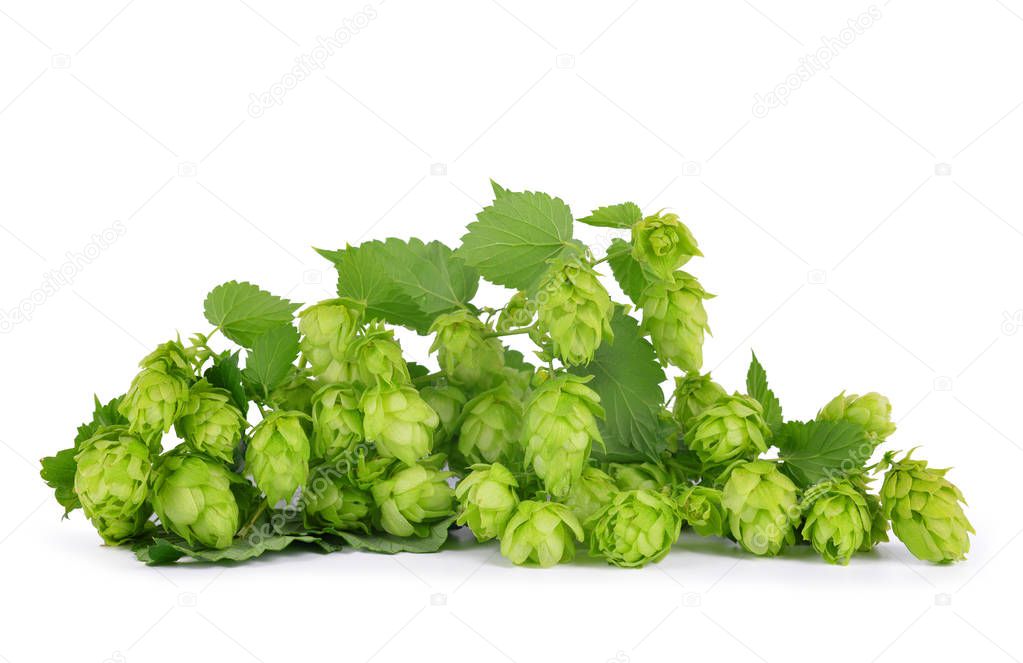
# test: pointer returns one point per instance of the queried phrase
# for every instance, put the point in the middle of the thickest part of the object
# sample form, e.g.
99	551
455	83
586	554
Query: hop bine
411	498
399	421
871	411
327	329
575	310
674	316
488	500
192	497
468	354
541	534
112	483
337	421
762	505
210	423
731	429
278	455
663	243
638	527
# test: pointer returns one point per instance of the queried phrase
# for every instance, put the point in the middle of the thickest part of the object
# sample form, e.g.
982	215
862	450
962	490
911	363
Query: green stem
514	332
252	521
427	379
597	262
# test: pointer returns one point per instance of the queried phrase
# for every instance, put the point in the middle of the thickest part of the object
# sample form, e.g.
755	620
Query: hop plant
541	534
337	421
731	429
447	402
872	411
411	498
762	505
640	476
575	311
638	527
399	421
468	353
663	243
327	329
488	499
925	510
112	483
210	423
278	455
592	492
559	428
694	393
838	521
701	509
490	428
674	316
332	501
192	496
154	401
375	358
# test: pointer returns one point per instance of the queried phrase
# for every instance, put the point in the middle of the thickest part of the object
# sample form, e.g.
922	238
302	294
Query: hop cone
488	499
370	470
331	500
674	316
210	423
592	492
694	393
154	401
278	455
171	357
337	421
872	411
925	511
192	496
411	498
112	482
447	402
328	328
575	310
663	243
376	359
296	395
468	356
640	476
490	429
517	313
399	421
732	429
541	534
762	505
559	428
878	522
636	528
701	509
838	522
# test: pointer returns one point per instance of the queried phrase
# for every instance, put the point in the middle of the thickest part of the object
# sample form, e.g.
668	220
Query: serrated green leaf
226	374
170	548
622	215
243	312
416	370
103	414
756	386
498	189
628	379
435	278
818	450
513	239
389	544
269	361
631	275
59	473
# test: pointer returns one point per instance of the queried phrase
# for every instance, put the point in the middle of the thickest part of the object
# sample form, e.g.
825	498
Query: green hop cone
694	393
638	527
592	492
640	476
878	522
154	401
375	358
838	521
674	316
447	402
296	394
171	357
370	469
663	243
210	423
925	510
112	482
575	311
490	429
701	509
732	429
762	505
328	329
541	534
872	411
411	498
278	455
337	421
516	314
332	501
559	428
468	355
488	500
192	497
399	422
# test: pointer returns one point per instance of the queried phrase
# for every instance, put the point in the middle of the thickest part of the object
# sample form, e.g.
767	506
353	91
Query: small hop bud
171	357
701	509
399	421
328	328
517	313
871	411
592	492
375	358
694	393
838	521
638	527
490	429
488	500
112	482
732	429
663	243
674	316
331	500
210	423
337	421
541	534
469	357
278	455
192	497
925	510
411	498
559	429
154	401
447	402
762	505
575	311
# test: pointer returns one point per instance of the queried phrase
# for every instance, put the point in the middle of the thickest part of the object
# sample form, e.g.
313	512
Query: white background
840	248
